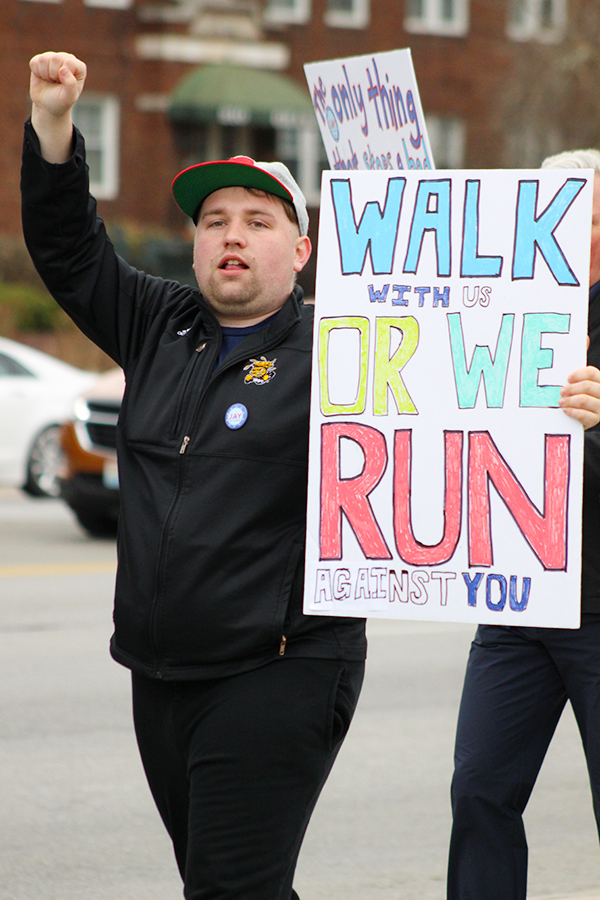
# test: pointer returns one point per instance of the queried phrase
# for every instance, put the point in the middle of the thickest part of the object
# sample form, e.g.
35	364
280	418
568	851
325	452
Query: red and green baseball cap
192	186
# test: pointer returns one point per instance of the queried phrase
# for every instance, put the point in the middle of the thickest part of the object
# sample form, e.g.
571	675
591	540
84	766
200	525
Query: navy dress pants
516	686
236	765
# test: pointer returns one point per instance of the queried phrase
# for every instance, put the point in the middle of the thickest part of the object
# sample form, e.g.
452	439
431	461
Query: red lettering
545	533
350	495
410	549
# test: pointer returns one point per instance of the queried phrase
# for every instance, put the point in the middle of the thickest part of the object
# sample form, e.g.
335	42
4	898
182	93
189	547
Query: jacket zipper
154	636
235	358
190	371
182	450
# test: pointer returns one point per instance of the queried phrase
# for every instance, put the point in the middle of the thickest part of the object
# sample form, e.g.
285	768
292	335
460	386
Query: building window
97	117
525	147
347	13
447	139
298	145
302	151
445	17
286	144
537	20
109	4
293	12
221	139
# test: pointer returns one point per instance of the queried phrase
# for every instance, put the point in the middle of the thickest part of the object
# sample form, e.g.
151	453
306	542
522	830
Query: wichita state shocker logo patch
260	371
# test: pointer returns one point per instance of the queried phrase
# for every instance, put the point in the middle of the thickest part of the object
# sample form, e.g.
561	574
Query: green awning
236	95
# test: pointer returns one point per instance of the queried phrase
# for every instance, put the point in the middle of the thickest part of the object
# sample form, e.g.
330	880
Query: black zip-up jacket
212	530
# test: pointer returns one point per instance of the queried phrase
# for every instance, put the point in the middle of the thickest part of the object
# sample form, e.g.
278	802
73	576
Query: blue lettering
354	113
378	296
337	104
519	605
359	99
346	102
412	115
400	103
384	96
421	291
532	232
494	371
473	265
472	585
401	290
376	231
499	605
534	357
436	220
444	296
372	94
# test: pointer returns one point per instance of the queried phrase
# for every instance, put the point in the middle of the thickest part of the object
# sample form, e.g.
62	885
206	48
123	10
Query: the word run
545	531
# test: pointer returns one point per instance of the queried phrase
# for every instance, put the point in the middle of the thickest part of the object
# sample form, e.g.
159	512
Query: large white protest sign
444	481
369	112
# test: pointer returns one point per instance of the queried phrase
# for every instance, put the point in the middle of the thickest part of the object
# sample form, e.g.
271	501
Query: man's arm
55	85
112	303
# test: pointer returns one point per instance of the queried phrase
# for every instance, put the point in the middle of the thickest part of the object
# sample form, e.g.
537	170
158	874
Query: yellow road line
33	571
579	896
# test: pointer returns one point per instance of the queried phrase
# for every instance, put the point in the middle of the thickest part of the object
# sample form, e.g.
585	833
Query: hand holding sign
580	397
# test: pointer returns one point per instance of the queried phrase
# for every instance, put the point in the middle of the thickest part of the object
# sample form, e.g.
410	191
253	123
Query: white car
37	393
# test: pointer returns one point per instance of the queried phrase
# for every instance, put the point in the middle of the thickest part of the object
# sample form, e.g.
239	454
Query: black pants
517	683
236	765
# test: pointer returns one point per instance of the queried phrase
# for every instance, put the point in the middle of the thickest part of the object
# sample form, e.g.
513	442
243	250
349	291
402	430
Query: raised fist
56	81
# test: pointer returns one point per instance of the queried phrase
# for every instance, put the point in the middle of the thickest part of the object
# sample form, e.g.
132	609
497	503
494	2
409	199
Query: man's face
246	254
595	253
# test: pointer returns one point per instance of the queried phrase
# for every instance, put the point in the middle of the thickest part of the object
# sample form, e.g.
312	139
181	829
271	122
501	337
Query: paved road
76	819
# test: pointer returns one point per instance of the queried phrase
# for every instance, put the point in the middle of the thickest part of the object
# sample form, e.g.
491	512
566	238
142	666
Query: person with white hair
518	681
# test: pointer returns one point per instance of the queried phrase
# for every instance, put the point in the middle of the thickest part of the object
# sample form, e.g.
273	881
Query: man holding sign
240	701
519	679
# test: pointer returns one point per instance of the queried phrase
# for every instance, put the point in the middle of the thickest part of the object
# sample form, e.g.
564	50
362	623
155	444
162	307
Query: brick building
173	82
